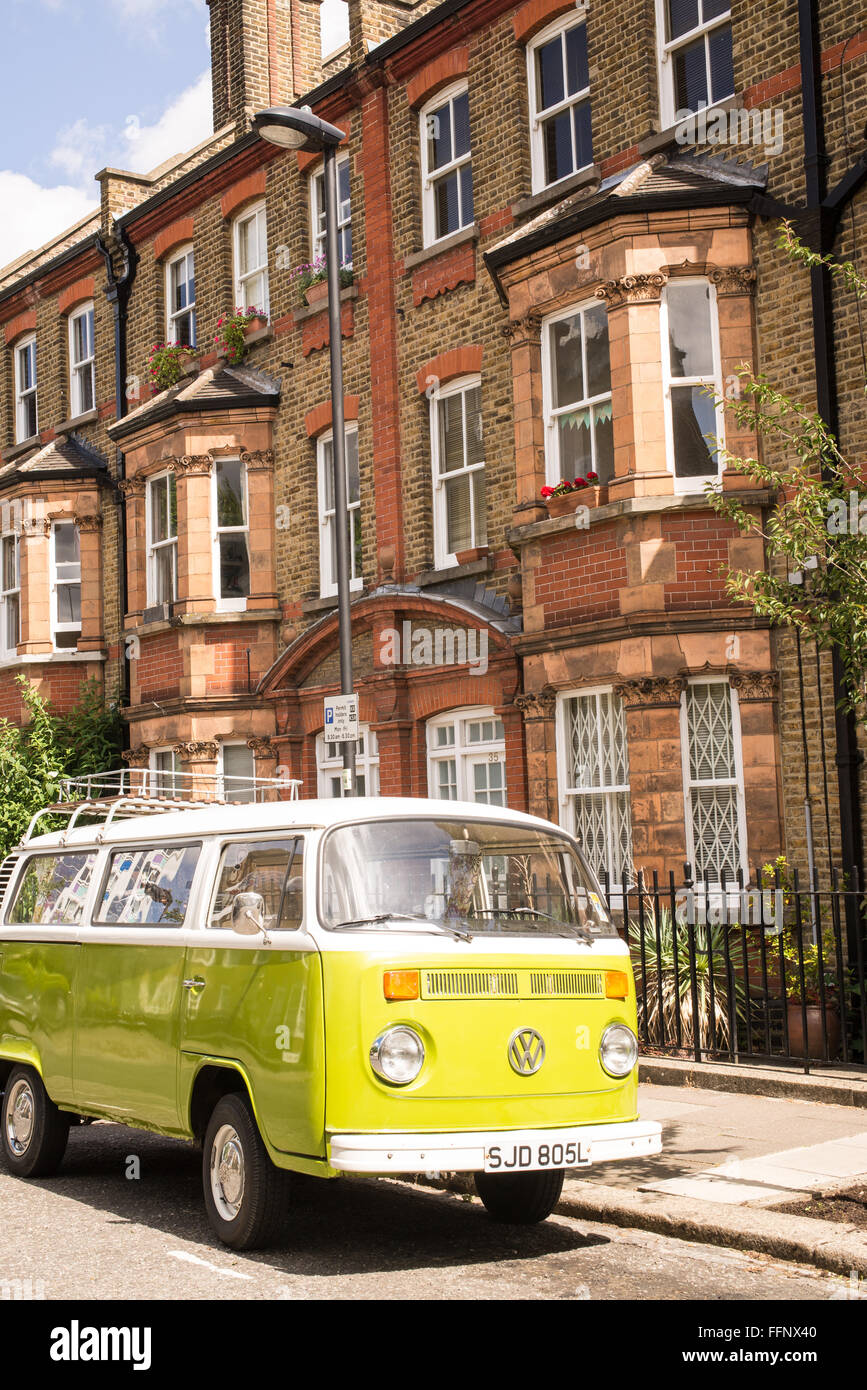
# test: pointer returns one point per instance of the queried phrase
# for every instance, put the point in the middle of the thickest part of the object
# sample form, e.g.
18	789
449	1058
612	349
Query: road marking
205	1264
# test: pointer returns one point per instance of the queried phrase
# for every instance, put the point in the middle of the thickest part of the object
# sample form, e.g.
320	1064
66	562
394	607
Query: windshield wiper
435	927
571	928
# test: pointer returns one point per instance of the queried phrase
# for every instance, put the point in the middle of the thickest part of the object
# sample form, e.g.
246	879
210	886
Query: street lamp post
297	128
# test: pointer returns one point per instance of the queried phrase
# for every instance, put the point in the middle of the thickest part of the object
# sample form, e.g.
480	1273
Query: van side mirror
248	914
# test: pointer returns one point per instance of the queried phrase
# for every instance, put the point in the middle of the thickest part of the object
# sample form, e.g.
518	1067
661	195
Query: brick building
548	277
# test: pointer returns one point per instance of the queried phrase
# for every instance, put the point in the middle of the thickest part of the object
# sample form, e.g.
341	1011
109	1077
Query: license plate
534	1154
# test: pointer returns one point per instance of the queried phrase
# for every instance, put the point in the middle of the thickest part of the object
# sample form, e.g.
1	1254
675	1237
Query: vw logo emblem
526	1051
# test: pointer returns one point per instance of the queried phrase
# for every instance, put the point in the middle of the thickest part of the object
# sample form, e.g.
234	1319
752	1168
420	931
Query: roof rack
122	792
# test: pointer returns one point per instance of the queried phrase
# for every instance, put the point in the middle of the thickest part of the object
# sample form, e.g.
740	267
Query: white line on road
215	1269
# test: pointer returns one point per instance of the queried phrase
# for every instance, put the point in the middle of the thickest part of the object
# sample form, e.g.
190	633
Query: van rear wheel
520	1198
245	1195
34	1132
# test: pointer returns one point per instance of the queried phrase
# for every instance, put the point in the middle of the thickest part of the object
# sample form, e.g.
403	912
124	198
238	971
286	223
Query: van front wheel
520	1198
245	1195
34	1132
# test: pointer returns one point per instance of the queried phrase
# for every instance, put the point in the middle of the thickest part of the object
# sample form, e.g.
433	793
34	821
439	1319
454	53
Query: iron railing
729	971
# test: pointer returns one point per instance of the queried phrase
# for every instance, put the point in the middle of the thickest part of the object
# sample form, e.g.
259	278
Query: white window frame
229	605
154	546
161	781
463	753
443	557
65	582
736	782
550	413
11	596
22	396
569	794
327	580
329	762
317	210
696	484
78	368
665	51
224	791
538	118
431	177
242	297
186	254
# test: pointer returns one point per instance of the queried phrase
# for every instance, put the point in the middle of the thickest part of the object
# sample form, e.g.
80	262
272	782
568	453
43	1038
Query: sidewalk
727	1159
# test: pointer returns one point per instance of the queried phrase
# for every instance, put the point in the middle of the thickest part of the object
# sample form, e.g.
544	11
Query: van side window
149	885
52	890
271	868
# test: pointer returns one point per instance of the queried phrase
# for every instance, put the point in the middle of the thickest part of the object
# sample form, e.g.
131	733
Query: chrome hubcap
19	1117
227	1172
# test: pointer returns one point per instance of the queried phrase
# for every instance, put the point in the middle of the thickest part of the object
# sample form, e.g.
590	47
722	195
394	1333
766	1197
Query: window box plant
568	495
311	280
167	363
234	329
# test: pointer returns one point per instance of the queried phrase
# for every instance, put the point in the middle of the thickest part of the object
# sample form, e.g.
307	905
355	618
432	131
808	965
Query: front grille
566	984
470	984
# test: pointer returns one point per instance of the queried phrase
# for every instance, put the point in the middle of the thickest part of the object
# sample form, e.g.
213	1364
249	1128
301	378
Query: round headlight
618	1050
398	1055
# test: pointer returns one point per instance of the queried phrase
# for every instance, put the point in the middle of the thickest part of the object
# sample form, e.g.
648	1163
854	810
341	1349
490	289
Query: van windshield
477	877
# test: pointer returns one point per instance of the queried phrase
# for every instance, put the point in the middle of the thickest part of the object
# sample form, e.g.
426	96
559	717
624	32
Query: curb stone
756	1081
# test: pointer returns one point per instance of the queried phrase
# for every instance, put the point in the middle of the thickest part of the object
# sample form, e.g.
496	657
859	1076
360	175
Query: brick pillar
133	490
195	534
260	500
34	602
540	742
652	709
757	695
90	546
525	341
516	770
394	740
640	465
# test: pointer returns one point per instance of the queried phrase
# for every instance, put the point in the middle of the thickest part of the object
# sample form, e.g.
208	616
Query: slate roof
220	387
68	455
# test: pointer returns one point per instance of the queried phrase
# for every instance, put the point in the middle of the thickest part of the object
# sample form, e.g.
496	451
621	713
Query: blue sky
120	82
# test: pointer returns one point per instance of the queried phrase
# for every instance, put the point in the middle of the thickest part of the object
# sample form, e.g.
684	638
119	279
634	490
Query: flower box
467	557
255	326
317	293
568	502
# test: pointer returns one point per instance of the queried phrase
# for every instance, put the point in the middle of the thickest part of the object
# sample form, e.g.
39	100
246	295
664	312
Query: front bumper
465	1152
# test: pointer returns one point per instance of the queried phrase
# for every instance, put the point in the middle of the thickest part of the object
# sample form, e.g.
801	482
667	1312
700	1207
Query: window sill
75	421
627	506
326	601
17	450
308	311
658	140
439	248
448	575
573	184
150	626
49	658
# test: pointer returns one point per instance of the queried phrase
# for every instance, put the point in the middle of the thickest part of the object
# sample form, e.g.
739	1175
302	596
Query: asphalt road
92	1232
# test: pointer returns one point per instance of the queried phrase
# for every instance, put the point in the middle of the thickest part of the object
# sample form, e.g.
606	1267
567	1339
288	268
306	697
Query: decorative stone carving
733	279
538	704
89	523
132	487
258	460
651	692
137	757
35	527
753	686
262	747
193	465
527	329
631	289
196	752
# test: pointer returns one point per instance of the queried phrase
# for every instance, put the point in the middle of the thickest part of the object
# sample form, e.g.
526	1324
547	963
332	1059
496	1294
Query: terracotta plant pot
568	501
466	557
317	293
795	1021
254	326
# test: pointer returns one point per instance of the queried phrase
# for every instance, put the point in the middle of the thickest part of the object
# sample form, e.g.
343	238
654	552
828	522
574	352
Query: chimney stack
263	53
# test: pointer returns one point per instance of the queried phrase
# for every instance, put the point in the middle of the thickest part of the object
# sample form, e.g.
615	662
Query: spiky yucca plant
668	992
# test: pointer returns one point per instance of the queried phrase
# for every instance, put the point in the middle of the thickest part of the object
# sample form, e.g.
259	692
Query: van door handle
197	983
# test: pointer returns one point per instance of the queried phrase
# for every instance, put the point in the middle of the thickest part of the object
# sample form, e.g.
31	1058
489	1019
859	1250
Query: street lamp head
296	128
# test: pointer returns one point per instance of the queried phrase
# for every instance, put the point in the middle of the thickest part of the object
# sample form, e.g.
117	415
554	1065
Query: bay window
10	595
65	585
691	379
162	532
231	539
576	395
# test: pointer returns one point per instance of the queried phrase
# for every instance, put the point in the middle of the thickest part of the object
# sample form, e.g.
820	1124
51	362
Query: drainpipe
821	224
117	293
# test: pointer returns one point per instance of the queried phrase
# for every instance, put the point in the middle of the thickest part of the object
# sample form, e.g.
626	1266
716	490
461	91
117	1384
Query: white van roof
245	818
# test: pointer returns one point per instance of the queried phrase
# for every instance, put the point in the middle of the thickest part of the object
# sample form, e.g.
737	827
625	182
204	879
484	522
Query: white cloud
36	214
334	19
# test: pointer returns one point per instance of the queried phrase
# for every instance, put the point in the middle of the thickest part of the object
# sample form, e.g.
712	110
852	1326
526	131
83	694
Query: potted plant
805	975
234	329
311	279
568	494
167	363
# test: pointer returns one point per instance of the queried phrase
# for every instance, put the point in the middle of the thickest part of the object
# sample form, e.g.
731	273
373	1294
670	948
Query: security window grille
329	764
328	531
447	171
26	413
698	45
460	520
597	781
82	357
163	539
251	260
690	370
467	757
712	774
10	596
344	213
577	396
66	568
181	299
559	83
232	554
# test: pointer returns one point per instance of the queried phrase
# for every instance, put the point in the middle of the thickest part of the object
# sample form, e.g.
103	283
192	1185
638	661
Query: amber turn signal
402	984
616	984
